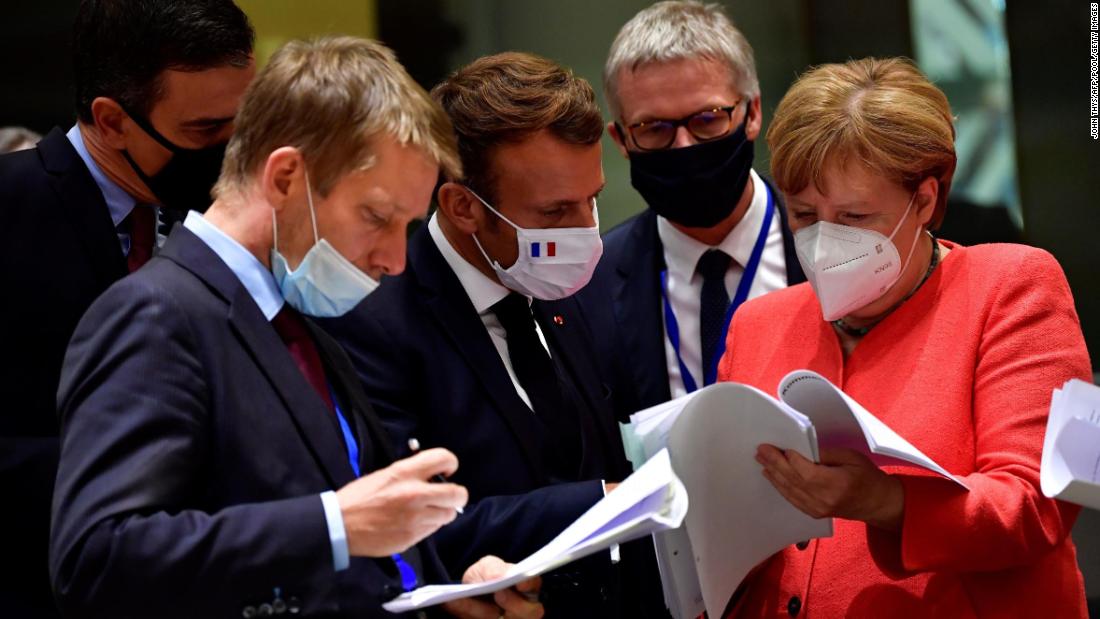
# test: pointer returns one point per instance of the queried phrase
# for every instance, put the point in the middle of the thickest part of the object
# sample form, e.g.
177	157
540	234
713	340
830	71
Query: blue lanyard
408	574
710	367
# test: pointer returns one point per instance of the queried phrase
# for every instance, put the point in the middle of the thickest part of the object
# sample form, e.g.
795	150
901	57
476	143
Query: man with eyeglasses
682	88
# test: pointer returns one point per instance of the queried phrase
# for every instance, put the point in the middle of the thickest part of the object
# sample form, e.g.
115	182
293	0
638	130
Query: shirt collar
483	292
682	252
119	203
255	277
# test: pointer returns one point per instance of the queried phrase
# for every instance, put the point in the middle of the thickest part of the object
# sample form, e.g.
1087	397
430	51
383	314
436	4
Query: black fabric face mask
185	182
695	186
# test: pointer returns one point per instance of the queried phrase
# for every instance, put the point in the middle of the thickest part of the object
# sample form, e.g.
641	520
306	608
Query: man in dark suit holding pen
218	455
157	85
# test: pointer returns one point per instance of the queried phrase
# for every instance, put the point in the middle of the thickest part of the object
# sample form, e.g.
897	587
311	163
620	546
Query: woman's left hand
846	484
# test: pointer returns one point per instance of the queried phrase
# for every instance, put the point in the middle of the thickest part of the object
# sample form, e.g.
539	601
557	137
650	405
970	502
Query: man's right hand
392	509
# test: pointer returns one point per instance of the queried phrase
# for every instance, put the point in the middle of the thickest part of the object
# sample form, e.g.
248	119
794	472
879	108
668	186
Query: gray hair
17	138
674	30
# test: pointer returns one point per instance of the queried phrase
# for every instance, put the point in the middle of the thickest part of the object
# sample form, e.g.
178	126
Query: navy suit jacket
194	452
432	372
58	252
623	302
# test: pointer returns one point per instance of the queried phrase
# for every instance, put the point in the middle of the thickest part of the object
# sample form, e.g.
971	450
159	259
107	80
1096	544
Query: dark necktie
143	235
289	325
532	364
713	304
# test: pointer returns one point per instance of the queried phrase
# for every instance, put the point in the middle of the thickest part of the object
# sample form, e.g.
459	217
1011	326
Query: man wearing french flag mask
480	348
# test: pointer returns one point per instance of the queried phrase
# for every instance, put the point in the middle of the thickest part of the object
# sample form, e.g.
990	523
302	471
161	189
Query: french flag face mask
553	263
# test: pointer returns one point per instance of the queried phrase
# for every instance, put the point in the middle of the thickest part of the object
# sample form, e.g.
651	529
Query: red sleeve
1031	343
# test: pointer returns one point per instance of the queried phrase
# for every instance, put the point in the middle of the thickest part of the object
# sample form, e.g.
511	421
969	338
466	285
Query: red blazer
964	370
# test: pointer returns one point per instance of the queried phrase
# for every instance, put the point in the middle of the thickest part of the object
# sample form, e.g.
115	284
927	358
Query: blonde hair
880	112
329	98
677	30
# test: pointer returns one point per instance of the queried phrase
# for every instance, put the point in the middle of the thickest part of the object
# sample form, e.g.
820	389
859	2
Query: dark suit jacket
194	452
432	372
58	252
624	299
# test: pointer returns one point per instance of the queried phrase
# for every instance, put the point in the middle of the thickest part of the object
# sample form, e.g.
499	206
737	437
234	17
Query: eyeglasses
705	125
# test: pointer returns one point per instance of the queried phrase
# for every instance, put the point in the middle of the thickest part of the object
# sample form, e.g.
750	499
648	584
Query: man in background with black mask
681	85
157	86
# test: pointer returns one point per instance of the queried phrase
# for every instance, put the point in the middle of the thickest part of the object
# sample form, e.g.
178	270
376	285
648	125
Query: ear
755	120
283	176
458	206
618	137
927	193
111	121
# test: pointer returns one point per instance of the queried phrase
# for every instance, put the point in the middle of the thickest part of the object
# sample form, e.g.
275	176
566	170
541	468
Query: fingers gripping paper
650	500
737	517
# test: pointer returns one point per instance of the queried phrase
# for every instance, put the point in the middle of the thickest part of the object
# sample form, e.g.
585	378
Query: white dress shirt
685	286
483	293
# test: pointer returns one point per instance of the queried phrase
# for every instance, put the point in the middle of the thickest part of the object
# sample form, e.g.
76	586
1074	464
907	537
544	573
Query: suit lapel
306	408
562	325
451	307
353	401
86	208
636	296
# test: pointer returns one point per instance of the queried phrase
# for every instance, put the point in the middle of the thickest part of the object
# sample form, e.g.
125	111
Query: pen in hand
414	447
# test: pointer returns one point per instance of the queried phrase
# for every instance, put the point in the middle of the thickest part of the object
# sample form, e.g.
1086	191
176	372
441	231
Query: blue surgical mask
325	284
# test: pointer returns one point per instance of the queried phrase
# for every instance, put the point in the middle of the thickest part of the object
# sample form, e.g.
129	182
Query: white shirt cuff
336	533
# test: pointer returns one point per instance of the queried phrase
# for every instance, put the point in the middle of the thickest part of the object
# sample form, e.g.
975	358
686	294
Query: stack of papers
1071	449
650	500
737	518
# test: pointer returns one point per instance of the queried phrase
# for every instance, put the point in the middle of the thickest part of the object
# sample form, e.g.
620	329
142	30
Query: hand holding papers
1071	449
737	518
650	500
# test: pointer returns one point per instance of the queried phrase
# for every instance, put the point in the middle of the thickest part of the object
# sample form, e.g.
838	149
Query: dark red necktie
143	236
292	328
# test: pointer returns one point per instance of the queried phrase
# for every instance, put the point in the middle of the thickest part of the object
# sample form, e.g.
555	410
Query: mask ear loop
275	229
916	237
309	199
494	264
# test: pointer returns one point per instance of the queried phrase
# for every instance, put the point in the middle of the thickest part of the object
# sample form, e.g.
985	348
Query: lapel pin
558	320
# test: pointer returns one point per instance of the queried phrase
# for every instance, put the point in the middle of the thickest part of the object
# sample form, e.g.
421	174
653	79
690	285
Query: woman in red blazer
955	348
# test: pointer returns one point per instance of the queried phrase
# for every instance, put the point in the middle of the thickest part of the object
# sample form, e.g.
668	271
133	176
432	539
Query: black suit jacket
624	302
194	452
432	372
58	252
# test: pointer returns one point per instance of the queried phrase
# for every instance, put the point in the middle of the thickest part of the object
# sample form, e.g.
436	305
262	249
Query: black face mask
185	182
695	186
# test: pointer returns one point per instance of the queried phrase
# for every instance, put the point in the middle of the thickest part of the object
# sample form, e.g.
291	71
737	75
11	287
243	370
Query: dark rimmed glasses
704	125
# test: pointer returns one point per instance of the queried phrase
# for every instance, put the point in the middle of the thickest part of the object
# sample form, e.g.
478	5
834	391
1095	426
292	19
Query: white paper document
650	500
1071	448
737	518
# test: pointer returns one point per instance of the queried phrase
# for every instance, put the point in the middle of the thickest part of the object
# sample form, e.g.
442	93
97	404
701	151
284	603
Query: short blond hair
678	30
329	98
882	113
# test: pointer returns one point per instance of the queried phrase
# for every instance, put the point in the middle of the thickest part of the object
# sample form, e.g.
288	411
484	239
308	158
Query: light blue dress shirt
119	203
261	286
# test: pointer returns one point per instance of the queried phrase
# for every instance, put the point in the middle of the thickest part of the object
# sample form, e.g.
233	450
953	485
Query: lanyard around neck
710	366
